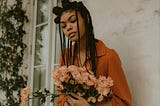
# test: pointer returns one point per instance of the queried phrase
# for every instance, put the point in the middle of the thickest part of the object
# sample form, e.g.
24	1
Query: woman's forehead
67	14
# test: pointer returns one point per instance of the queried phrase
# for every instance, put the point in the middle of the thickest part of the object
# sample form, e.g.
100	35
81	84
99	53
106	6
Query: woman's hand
79	101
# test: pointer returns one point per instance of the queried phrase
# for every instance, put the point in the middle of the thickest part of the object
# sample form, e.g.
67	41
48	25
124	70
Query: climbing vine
12	78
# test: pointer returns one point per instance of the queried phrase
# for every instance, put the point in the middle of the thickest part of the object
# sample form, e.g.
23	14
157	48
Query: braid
90	38
62	46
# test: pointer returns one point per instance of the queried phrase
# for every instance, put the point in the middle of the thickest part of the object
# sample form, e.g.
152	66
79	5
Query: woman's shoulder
104	50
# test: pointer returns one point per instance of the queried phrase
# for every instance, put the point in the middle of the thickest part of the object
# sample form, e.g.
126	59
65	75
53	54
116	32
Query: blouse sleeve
121	93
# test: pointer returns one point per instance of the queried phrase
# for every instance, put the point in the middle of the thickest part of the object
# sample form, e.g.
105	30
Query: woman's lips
72	34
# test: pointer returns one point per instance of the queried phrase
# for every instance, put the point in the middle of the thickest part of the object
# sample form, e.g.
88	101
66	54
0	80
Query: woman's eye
73	20
63	26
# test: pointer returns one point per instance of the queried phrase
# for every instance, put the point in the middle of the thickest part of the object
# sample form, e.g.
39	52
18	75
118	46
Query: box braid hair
66	50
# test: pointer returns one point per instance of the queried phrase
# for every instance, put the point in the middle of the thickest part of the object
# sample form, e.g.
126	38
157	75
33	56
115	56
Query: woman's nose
69	27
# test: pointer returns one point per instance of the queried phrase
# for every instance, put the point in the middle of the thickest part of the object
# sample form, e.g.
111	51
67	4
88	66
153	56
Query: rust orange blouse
109	64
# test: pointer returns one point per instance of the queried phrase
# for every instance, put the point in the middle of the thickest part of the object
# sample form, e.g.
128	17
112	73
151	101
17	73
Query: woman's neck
82	52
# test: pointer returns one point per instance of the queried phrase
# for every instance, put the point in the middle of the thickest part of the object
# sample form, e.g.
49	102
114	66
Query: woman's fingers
71	101
77	97
74	96
75	100
68	103
78	101
65	103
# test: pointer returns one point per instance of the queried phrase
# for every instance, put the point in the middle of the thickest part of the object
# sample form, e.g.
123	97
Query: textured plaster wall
132	28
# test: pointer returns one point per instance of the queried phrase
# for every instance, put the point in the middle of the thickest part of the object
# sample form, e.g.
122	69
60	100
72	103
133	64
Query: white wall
132	28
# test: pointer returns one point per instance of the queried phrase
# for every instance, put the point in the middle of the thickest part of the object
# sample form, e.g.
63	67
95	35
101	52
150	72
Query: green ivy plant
12	78
42	94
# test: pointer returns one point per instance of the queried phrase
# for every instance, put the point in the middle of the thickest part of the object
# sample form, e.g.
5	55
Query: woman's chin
73	39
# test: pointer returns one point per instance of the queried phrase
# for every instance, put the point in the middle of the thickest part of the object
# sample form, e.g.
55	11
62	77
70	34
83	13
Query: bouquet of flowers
73	80
78	80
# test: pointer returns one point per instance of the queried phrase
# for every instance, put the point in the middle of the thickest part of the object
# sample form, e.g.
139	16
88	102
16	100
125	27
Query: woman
75	22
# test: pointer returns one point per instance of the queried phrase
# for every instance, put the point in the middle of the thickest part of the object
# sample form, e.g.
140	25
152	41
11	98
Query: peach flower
91	99
24	96
100	98
103	85
61	75
88	78
75	72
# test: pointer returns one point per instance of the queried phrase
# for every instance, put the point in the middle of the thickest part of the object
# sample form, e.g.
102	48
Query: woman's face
68	22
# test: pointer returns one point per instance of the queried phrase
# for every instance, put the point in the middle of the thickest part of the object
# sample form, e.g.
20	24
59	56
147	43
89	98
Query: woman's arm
121	93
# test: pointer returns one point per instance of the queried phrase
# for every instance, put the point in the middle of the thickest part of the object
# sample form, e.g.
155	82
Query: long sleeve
121	93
